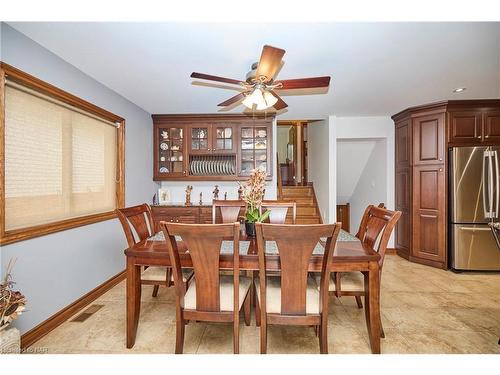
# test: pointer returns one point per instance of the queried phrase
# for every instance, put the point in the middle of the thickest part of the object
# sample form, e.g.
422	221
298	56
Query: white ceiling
376	68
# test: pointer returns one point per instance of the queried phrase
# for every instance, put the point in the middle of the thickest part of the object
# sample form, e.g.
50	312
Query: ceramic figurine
216	192
240	193
201	199
189	189
225	196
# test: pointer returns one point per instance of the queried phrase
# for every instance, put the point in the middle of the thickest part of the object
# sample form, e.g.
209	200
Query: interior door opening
292	153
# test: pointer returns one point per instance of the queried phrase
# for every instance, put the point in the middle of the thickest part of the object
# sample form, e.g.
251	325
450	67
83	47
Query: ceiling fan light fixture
270	99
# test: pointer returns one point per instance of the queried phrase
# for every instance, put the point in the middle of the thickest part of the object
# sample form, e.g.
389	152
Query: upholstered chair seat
273	295
156	273
349	281
226	293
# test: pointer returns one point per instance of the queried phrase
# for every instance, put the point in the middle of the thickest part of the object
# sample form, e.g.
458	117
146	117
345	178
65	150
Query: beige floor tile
424	310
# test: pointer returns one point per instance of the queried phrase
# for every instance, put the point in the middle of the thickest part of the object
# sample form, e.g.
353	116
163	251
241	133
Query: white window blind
60	162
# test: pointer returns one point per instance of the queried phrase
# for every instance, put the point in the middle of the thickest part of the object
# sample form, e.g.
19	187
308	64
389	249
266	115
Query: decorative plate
163	170
164	146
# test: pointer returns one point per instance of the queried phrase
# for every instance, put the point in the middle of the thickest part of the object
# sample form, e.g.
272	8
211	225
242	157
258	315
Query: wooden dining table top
347	249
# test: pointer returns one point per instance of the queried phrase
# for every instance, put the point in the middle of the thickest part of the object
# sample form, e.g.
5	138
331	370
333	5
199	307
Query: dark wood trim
445	105
34	83
36	333
25	79
12	236
428	262
390	251
209	117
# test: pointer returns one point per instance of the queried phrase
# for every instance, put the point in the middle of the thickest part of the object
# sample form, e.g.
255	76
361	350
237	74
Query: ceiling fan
259	88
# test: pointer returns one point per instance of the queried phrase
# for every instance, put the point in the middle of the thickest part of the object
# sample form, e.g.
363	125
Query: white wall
321	166
352	156
55	270
371	187
282	143
380	127
178	188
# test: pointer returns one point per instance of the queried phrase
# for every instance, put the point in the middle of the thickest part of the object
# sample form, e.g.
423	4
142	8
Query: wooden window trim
18	76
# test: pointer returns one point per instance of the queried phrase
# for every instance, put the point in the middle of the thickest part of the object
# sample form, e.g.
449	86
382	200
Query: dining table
350	255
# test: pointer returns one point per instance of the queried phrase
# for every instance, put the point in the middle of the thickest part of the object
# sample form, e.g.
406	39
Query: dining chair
209	296
364	218
229	209
279	211
375	231
293	298
137	223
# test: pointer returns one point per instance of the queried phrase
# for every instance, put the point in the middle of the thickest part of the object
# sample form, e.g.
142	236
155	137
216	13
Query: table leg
372	306
133	300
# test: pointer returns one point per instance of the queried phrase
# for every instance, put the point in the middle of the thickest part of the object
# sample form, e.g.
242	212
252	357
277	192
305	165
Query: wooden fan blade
304	83
280	104
270	61
214	78
232	100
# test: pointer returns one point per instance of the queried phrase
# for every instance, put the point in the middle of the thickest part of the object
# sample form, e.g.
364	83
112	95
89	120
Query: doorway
292	153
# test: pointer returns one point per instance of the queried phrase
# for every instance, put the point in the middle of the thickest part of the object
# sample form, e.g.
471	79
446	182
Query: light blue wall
55	270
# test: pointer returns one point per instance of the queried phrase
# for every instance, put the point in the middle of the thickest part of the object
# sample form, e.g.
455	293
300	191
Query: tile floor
424	310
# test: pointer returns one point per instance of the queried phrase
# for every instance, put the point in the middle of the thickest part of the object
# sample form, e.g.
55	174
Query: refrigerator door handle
497	190
483	181
490	184
476	229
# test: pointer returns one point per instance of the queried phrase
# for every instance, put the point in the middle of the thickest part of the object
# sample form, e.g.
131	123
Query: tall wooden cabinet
423	136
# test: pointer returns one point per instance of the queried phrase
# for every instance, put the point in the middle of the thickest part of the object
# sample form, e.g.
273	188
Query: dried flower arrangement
12	303
253	194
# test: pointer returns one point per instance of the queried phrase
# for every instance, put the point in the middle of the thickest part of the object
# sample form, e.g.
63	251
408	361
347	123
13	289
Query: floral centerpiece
12	303
253	195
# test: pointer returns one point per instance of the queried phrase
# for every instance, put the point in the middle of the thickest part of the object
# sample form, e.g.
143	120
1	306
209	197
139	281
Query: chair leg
179	333
358	301
246	308
263	336
382	333
316	330
155	290
323	339
169	277
257	313
236	335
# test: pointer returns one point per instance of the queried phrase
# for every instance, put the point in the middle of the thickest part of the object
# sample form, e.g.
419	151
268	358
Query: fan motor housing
251	74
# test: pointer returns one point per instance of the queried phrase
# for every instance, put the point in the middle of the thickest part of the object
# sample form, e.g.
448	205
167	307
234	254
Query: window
62	159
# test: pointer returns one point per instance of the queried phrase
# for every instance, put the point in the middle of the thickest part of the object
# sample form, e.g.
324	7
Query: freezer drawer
474	248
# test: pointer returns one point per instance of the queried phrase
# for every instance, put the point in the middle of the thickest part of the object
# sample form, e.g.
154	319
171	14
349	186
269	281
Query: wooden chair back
295	245
204	243
364	218
136	219
279	211
376	228
230	210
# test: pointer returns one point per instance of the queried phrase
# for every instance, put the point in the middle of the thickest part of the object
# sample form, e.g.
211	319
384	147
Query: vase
10	341
250	229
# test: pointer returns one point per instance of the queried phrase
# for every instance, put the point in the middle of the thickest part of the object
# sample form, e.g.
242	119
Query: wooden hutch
208	147
422	137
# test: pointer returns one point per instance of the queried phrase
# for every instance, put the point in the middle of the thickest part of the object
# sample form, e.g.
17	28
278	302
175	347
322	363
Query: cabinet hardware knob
486	136
478	137
440	159
440	169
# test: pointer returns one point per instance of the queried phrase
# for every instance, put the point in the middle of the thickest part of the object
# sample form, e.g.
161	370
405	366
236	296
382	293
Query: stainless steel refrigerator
474	201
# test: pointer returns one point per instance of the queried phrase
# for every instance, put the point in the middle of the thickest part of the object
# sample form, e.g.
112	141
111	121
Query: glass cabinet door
170	151
199	139
254	148
223	142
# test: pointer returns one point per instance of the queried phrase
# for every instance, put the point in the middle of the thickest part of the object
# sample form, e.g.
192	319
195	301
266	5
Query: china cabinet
211	147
